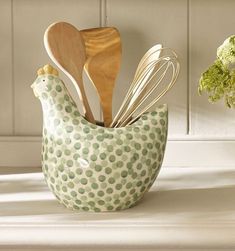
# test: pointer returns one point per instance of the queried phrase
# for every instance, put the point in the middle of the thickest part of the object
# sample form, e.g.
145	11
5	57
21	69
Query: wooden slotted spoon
103	51
66	48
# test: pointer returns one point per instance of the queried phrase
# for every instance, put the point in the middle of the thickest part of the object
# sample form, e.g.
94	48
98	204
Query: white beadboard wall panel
211	21
6	102
143	24
194	28
31	18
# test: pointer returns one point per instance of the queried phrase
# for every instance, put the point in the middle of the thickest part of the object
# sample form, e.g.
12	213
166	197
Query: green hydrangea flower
226	52
219	79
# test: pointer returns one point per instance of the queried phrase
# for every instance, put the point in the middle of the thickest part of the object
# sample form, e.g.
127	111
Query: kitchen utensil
145	86
103	51
66	48
140	77
137	95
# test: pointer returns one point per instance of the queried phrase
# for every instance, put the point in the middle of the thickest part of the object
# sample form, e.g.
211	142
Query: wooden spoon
103	51
66	48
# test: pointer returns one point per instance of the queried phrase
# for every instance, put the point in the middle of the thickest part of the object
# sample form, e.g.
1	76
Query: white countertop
187	209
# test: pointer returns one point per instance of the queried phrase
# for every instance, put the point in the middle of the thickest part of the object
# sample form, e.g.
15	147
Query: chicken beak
35	94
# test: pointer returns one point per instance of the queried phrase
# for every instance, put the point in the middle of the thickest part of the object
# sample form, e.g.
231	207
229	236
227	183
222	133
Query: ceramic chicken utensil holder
93	168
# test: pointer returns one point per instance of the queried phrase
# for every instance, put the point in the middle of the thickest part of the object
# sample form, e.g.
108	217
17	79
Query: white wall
198	130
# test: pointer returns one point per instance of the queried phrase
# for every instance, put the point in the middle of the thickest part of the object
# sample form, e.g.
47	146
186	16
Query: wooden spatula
66	48
103	51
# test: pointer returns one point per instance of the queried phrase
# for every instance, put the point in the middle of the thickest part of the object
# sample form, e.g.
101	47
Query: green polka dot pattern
91	168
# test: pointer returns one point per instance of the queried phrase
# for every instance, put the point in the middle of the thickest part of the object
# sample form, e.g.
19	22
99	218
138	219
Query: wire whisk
153	71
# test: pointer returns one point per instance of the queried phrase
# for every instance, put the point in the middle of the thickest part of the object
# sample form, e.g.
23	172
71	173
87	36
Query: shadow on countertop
180	201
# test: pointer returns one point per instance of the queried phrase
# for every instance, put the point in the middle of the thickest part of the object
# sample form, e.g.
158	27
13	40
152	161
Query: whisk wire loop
144	97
